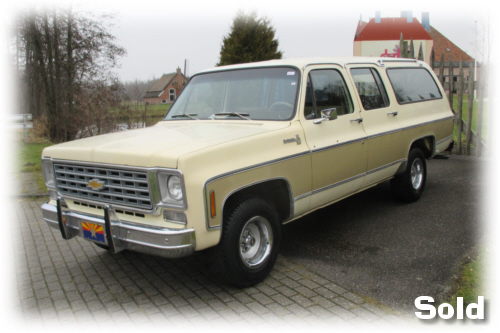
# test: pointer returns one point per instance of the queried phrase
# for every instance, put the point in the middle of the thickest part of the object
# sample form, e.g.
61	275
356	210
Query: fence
469	89
22	121
464	87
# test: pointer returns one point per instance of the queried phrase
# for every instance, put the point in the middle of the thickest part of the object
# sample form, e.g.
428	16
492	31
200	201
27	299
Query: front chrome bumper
121	235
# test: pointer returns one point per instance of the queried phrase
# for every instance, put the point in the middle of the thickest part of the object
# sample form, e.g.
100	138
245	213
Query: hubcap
256	241
417	174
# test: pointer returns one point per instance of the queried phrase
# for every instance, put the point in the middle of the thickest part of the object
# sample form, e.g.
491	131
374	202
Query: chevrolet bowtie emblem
95	184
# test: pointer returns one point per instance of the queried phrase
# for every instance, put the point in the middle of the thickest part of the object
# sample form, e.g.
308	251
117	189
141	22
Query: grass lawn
28	156
470	283
465	115
28	159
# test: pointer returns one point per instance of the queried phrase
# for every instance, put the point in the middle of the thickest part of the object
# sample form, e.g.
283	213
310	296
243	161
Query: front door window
330	91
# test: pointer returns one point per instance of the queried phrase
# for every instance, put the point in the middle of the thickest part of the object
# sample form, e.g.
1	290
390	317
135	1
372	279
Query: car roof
303	62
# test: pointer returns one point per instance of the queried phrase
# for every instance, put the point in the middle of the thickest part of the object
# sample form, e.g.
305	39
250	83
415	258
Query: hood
159	145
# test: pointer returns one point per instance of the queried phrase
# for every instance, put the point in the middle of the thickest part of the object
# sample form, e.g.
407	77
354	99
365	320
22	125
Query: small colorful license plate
93	232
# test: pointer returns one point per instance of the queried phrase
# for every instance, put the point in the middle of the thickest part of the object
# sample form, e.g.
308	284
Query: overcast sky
160	35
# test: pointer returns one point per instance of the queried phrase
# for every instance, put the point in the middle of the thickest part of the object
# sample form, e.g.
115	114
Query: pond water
119	126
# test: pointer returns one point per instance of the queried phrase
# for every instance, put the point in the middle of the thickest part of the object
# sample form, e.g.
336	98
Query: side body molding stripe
285	158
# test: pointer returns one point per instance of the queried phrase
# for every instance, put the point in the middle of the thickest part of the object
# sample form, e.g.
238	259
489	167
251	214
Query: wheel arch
427	144
276	191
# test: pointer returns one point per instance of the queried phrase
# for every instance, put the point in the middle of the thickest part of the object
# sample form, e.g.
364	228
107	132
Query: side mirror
330	113
326	115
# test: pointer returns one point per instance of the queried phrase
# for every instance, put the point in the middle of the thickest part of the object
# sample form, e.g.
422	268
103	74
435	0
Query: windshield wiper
186	115
233	114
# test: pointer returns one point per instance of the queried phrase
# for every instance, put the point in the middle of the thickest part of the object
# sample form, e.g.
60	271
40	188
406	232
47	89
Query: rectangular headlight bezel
162	197
48	173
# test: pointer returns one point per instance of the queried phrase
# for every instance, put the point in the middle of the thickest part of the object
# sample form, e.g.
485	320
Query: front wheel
249	243
409	186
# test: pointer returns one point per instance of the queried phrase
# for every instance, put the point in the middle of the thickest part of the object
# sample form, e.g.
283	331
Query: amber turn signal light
212	204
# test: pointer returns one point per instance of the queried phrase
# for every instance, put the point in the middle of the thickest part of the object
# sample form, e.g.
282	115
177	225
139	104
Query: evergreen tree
251	39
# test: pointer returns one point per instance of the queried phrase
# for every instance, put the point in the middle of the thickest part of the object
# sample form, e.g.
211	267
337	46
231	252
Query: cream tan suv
245	149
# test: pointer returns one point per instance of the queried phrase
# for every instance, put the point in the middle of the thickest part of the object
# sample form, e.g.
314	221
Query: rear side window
370	88
413	85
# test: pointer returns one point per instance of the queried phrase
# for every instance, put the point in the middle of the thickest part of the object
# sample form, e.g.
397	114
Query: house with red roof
380	37
166	89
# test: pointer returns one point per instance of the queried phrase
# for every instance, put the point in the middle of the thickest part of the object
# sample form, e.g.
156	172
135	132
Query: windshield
260	93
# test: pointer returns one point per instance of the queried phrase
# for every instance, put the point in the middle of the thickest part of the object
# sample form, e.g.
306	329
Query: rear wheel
409	186
249	243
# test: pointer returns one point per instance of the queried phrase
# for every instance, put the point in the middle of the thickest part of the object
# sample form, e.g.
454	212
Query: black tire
409	186
249	243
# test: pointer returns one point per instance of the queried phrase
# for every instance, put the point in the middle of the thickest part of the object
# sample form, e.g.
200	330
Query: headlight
175	187
48	173
171	189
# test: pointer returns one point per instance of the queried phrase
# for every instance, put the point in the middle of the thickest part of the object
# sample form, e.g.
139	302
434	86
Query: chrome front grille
122	187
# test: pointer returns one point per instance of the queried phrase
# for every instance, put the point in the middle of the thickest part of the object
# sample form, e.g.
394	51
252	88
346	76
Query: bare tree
135	90
62	55
100	108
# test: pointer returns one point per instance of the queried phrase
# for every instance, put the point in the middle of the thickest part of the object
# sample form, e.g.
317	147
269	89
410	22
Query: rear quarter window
370	88
413	85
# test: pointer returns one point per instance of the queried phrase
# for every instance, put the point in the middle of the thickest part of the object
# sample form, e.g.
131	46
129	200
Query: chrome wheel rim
417	174
256	241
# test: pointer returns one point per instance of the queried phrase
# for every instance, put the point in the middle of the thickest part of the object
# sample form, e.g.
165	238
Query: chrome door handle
395	113
359	120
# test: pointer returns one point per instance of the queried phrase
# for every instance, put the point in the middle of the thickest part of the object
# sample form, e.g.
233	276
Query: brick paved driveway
75	281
